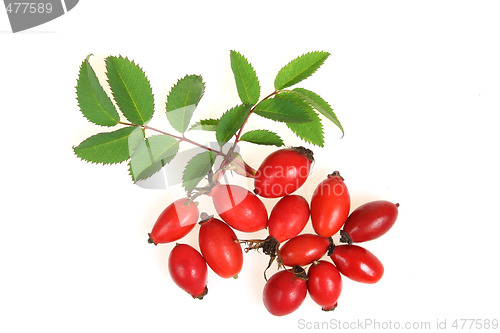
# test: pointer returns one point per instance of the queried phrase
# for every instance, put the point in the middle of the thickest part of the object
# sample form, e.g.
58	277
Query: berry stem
179	138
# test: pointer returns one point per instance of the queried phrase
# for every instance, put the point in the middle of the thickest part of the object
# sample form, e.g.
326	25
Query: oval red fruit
324	284
357	263
330	205
284	293
288	217
189	270
175	222
239	208
219	246
304	249
283	172
371	220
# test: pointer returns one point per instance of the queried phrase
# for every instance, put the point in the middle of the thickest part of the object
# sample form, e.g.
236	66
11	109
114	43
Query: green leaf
93	101
197	168
246	79
299	69
106	148
312	131
281	109
230	122
131	89
319	104
263	137
205	125
182	101
151	155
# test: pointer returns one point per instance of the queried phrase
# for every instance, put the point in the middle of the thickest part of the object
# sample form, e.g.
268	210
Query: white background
416	85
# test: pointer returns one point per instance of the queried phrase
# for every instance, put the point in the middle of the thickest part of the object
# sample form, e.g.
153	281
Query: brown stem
238	135
179	138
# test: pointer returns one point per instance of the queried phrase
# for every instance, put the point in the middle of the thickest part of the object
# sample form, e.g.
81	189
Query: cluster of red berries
279	175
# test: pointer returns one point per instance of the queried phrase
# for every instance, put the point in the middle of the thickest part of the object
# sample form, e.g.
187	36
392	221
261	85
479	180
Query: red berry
220	248
283	293
371	220
330	205
188	269
283	172
324	284
239	208
288	217
175	222
357	263
304	249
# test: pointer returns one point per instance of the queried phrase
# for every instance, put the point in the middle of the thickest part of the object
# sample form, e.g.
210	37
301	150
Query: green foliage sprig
300	109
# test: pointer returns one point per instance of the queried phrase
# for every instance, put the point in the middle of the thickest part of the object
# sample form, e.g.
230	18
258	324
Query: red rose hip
219	246
288	217
357	263
370	221
283	172
189	270
175	222
330	205
284	292
239	208
304	249
324	284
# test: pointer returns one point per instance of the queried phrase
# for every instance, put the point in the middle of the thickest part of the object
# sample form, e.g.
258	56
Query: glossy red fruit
189	270
239	208
175	222
370	221
324	284
330	205
283	293
219	246
288	217
304	249
357	263
283	172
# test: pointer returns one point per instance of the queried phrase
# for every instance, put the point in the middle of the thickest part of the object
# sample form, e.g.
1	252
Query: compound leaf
299	69
230	122
93	101
246	79
131	89
319	104
312	131
263	137
106	148
205	125
281	109
183	99
197	168
151	155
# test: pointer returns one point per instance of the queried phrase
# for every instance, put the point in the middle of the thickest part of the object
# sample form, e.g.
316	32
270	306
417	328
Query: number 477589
475	324
29	8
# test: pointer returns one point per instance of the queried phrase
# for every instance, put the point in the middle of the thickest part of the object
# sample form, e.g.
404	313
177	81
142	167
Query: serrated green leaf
106	148
312	131
131	89
281	109
205	125
263	137
319	104
93	101
197	168
247	82
151	155
299	69
230	122
183	99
